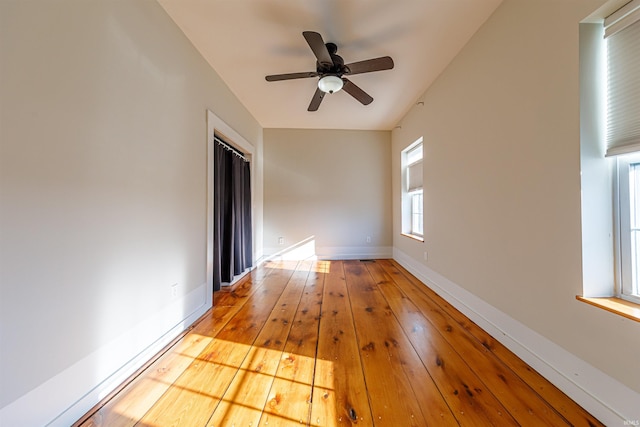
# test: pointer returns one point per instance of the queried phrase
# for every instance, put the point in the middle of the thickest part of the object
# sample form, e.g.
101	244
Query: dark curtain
232	252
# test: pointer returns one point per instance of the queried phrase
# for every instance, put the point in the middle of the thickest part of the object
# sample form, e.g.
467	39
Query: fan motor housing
338	64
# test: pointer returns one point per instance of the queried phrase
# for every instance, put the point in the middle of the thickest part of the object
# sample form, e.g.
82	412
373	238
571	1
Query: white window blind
414	168
415	176
622	32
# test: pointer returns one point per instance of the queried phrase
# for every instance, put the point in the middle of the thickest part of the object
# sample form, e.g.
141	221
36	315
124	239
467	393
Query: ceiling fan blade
316	100
291	76
356	92
369	65
318	47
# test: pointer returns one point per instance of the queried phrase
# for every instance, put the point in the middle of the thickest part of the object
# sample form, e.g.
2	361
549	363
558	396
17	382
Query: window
629	226
622	34
412	192
416	213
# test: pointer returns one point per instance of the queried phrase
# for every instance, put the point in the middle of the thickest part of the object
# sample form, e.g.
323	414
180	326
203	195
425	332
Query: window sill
614	305
413	236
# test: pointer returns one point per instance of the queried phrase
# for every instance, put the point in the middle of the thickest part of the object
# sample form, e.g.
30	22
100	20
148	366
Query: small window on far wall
622	34
412	191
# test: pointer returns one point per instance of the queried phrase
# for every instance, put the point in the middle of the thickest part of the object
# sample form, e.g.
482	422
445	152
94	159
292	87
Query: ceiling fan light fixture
330	84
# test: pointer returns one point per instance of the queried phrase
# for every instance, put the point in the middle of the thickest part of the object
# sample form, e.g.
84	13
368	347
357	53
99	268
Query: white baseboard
612	402
354	252
65	398
307	251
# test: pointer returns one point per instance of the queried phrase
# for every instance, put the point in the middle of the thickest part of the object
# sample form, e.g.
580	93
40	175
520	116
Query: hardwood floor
329	343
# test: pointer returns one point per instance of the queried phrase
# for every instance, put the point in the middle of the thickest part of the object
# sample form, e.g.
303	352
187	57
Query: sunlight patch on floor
269	387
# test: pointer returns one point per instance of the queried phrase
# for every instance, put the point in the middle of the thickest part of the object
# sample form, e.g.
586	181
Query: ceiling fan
332	71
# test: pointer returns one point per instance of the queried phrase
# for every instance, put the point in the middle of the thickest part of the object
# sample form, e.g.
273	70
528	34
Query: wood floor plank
517	398
335	343
244	401
464	393
339	393
198	391
567	408
382	345
435	410
289	400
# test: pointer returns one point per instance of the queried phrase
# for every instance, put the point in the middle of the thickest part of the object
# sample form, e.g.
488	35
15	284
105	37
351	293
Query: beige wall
102	179
502	180
333	185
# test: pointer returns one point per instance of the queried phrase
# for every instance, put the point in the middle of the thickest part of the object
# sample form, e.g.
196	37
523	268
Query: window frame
408	159
601	275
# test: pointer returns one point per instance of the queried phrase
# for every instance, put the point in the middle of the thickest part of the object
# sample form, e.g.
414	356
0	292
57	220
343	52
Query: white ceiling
245	40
